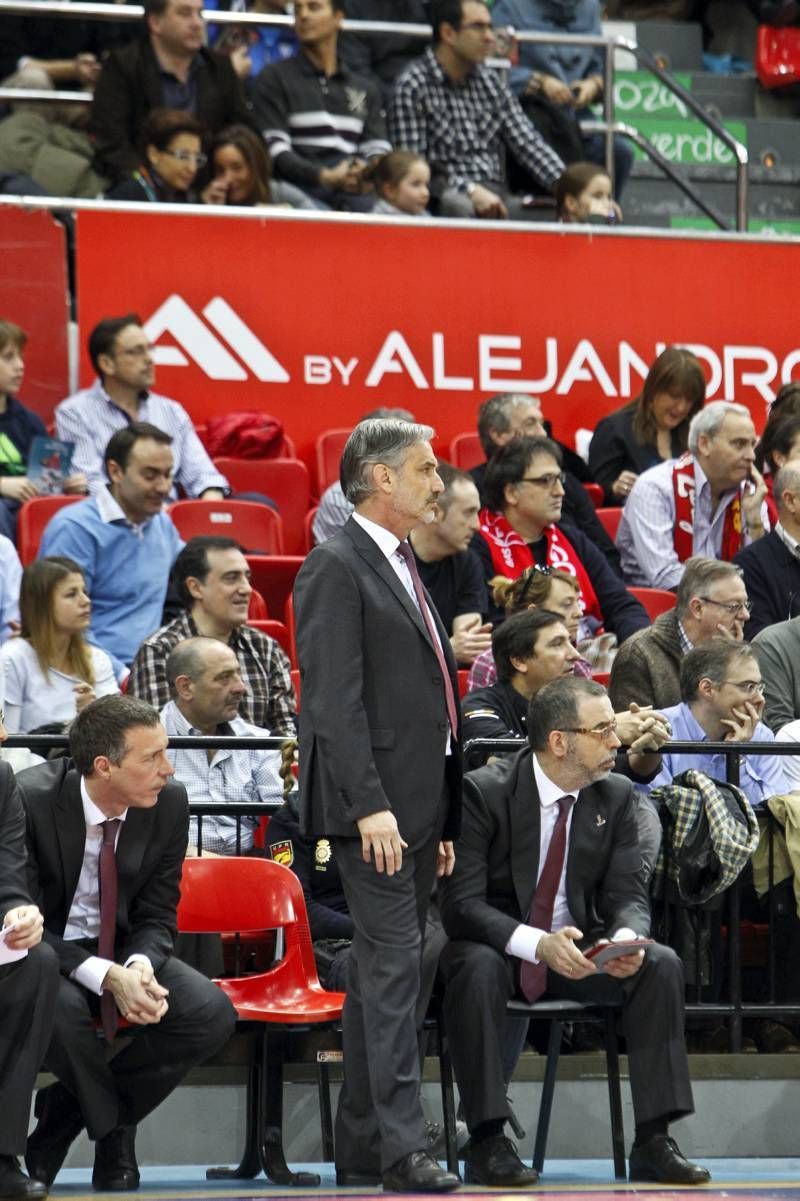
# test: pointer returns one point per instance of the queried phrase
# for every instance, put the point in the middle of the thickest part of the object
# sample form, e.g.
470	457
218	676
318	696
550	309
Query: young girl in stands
584	196
402	184
173	145
51	672
241	173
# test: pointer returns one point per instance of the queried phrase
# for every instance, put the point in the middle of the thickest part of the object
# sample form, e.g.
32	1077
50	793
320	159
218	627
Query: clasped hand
140	999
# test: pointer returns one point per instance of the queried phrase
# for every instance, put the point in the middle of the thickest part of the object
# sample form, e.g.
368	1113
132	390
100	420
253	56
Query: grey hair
787	480
700	574
187	658
555	707
495	414
710	418
378	440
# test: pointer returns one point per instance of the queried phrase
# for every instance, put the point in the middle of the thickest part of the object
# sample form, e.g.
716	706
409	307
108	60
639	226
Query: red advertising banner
33	294
319	321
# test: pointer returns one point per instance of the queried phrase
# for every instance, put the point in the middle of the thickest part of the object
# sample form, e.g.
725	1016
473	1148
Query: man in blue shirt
723	699
122	539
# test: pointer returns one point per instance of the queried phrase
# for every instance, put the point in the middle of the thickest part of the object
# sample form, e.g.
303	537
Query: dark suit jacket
492	886
373	721
772	578
13	885
150	850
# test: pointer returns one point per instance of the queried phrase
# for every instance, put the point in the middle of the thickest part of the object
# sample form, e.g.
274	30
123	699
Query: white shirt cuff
524	943
624	935
92	972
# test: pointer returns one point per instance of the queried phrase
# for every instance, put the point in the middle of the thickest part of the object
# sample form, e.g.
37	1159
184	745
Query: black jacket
313	862
498	711
614	449
772	578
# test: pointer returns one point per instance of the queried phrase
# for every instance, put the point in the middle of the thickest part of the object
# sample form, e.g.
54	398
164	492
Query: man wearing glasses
520	910
771	566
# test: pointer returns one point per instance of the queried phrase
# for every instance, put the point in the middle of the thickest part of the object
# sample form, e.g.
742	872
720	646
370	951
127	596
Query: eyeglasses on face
601	733
751	687
544	481
732	607
188	156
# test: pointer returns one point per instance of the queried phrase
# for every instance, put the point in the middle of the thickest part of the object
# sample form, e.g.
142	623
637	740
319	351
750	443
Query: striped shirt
90	417
462	128
310	121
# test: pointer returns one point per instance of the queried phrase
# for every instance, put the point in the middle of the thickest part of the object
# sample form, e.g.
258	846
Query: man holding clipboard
549	868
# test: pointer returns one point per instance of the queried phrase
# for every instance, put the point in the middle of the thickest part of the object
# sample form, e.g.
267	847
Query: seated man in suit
771	566
519	923
106	840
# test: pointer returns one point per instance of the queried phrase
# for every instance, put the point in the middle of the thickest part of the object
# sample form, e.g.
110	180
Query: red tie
404	549
108	920
533	976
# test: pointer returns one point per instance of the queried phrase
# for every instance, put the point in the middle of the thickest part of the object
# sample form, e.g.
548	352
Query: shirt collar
110	511
92	815
444	78
175	722
98	392
549	793
786	538
685	641
386	540
309	68
694	731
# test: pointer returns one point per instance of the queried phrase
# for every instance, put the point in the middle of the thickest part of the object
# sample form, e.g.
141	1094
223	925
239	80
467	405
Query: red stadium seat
596	494
257	527
309	531
777	55
610	519
655	600
328	451
601	677
273	576
285	481
32	518
278	631
463	676
466	451
257	609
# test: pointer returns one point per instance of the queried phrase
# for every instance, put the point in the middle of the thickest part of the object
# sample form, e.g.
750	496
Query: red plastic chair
596	494
601	677
257	609
777	55
33	516
309	529
229	895
655	600
256	527
285	481
278	631
463	676
273	576
466	451
610	519
327	452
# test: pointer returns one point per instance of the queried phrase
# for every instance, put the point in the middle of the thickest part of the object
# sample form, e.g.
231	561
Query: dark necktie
404	549
108	920
533	976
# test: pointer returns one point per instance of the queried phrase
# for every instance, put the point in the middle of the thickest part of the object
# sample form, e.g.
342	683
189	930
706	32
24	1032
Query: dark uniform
498	711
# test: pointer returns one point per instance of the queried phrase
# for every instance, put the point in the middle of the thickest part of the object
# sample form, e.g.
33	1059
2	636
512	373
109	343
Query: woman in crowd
402	183
653	427
173	154
51	672
241	173
779	443
584	195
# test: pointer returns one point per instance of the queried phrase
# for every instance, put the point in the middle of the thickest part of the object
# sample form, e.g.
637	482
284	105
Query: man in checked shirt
455	112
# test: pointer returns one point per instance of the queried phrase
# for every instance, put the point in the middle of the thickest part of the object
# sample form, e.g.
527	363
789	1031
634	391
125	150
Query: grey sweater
778	651
646	667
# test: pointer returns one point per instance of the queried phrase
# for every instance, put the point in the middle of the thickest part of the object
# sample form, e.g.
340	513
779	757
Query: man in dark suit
771	565
380	774
514	815
115	799
28	989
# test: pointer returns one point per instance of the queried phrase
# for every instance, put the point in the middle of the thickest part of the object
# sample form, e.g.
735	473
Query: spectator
520	527
168	68
172	142
722	699
779	442
777	648
454	111
251	47
10	579
537	588
652	428
122	356
51	672
384	55
206	689
213	581
707	503
241	173
122	540
770	566
18	428
402	184
711	601
565	78
450	571
321	122
67	50
584	196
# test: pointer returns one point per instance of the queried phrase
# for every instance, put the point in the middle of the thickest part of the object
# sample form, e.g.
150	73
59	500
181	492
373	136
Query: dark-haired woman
241	173
173	154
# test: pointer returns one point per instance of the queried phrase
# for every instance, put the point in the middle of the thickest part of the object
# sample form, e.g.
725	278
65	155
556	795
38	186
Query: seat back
256	527
273	576
286	481
596	494
777	55
32	518
610	519
327	452
466	451
654	600
278	631
308	529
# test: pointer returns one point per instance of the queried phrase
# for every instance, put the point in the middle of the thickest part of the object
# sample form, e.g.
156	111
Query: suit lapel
133	838
374	556
525	824
70	825
586	836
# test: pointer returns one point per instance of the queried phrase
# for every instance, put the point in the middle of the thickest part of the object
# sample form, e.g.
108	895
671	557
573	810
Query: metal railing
609	44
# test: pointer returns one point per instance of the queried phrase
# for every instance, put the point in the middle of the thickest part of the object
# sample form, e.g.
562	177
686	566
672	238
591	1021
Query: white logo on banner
174	317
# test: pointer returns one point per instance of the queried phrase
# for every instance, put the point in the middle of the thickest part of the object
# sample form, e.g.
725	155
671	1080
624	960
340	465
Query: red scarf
683	487
511	555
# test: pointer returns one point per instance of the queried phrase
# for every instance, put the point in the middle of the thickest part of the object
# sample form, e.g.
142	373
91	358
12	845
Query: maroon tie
407	553
533	976
108	920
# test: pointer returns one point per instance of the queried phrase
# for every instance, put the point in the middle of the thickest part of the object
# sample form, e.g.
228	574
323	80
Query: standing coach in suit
515	815
380	774
119	792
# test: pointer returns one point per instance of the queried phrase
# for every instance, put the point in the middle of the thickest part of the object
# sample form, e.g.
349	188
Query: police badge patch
322	854
282	852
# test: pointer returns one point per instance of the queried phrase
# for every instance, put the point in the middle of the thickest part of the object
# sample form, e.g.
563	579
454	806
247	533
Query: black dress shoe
115	1168
660	1159
15	1185
418	1173
60	1122
494	1163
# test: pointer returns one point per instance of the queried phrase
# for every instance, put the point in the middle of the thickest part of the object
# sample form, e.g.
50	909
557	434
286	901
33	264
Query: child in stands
584	196
402	184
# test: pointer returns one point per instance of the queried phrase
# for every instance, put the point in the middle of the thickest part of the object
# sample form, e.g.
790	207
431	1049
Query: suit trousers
479	982
123	1089
380	1118
28	991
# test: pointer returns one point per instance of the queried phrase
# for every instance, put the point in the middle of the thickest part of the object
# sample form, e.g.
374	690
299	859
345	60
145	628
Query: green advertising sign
640	94
689	142
756	225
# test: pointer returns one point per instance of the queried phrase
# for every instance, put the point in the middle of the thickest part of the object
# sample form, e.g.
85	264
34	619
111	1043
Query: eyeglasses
751	687
188	156
544	481
601	733
732	607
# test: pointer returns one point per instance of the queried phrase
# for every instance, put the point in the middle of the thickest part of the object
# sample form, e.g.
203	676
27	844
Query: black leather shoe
494	1163
660	1159
115	1167
418	1173
60	1122
15	1185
